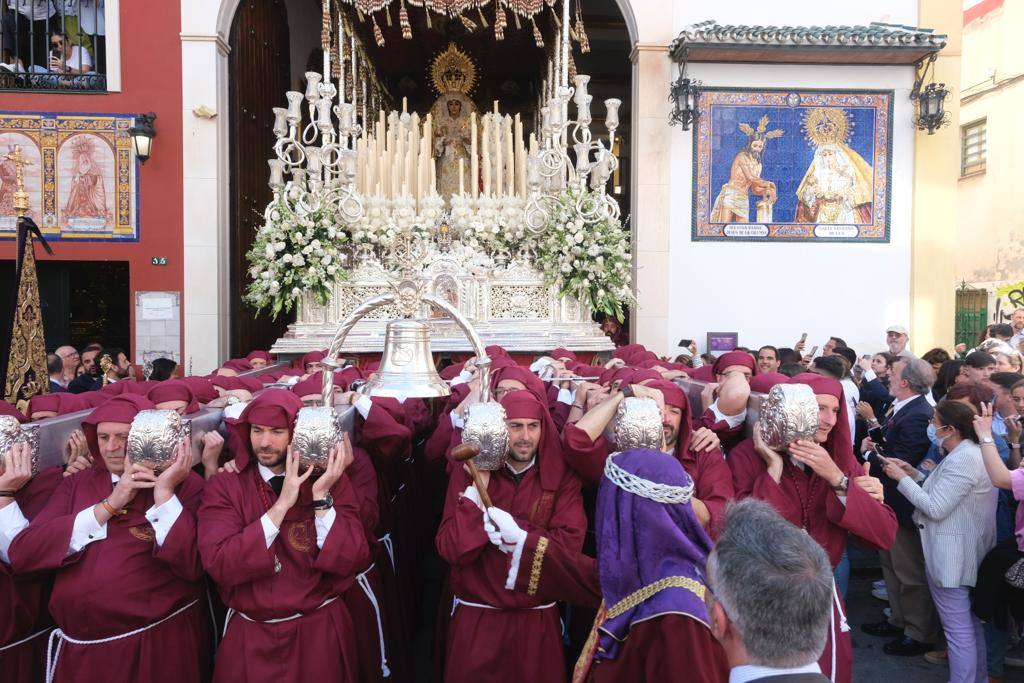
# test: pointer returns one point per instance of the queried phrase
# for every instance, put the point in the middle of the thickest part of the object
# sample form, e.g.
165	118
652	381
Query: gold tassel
427	12
387	15
403	19
468	23
519	24
378	36
581	31
537	37
500	22
483	20
325	26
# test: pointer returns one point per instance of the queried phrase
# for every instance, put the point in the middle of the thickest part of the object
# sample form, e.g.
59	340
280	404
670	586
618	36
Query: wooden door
259	76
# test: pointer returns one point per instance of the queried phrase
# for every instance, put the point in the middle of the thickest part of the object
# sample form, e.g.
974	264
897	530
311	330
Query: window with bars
972	147
53	45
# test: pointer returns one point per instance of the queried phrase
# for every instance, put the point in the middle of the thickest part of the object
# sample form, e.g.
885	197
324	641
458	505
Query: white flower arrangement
291	255
586	259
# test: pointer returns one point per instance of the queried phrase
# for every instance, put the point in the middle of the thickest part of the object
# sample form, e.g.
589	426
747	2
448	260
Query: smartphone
685	343
814	350
803	338
877	436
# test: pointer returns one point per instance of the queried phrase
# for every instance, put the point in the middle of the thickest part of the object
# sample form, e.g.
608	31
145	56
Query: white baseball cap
898	329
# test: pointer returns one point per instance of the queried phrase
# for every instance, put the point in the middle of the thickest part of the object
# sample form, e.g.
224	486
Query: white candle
510	157
462	164
487	156
499	169
474	170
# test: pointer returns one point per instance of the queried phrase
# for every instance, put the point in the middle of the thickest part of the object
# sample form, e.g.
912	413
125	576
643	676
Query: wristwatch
325	504
843	485
626	390
987	439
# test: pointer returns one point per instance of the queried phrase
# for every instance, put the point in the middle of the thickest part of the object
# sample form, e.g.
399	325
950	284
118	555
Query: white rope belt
456	601
53	649
25	640
297	615
844	627
364	583
389	545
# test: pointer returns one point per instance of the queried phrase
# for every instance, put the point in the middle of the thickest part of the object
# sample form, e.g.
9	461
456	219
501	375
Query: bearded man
121	540
282	548
494	634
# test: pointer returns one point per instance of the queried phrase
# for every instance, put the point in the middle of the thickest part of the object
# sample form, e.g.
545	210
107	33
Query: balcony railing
53	45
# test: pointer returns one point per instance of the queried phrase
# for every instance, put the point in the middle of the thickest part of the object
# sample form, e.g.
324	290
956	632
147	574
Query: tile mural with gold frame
792	165
83	177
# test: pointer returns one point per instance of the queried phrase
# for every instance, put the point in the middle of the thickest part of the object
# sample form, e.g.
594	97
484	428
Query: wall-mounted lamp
930	100
142	134
685	96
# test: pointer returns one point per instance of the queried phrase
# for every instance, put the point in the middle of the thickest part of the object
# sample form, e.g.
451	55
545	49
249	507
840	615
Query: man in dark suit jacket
765	569
55	368
914	623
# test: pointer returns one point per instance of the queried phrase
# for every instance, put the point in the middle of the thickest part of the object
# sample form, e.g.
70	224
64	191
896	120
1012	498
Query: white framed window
973	146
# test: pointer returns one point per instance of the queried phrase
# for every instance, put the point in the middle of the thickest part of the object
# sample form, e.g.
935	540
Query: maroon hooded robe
498	635
293	580
807	501
124	582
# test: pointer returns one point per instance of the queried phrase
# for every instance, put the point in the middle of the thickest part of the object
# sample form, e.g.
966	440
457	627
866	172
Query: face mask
934	436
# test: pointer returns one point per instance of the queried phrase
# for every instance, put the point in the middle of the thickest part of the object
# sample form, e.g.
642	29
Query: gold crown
452	71
826	126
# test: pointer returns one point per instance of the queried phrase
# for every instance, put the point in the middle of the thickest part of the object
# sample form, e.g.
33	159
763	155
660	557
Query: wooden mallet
464	453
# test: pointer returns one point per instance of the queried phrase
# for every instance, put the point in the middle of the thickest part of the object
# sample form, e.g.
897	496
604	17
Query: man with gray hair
914	624
896	338
770	596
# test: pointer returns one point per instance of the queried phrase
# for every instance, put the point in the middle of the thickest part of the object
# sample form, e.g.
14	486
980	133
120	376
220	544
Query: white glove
511	534
474	496
494	535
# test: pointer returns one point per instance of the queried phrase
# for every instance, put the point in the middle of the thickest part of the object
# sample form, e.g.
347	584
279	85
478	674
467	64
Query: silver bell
407	367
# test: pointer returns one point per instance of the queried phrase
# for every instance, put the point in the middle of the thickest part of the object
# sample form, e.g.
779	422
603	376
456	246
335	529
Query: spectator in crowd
31	24
163	368
791	369
1001	331
874	385
708	358
995	600
92	21
769	597
120	368
55	368
1017	323
788	355
89	354
69	355
768	359
914	623
936	357
955	511
951	373
68	58
979	366
1006	362
831	345
897	338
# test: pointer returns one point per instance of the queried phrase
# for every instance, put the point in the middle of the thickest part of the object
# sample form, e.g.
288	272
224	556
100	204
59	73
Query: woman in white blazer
956	513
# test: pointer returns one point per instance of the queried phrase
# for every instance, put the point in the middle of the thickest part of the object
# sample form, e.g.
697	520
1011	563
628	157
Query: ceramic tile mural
796	165
81	178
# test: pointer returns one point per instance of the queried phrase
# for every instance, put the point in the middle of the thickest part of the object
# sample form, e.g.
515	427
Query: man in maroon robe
820	487
121	539
652	624
696	449
495	634
26	623
282	548
725	397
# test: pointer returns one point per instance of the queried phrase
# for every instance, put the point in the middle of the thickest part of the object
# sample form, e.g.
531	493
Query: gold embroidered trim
652	589
538	561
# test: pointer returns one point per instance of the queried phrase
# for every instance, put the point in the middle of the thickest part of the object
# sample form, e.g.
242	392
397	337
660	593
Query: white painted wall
772	292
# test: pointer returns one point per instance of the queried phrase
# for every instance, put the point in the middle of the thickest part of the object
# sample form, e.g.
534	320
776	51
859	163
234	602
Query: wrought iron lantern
931	109
142	134
685	95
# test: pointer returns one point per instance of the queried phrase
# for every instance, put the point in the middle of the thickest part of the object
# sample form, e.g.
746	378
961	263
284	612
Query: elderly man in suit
914	625
769	597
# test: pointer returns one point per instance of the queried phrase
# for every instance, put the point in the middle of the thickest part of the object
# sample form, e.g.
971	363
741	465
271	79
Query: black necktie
277	483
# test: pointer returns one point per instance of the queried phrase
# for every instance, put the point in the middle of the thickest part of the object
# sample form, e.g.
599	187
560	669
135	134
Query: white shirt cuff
566	396
732	420
269	530
869	375
163	517
457	422
85	530
513	570
323	526
12	522
363	405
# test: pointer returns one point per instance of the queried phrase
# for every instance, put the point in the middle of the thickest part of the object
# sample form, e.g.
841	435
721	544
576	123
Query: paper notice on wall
157	308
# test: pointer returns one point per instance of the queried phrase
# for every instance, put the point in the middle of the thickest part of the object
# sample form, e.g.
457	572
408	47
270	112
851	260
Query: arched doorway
273	43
